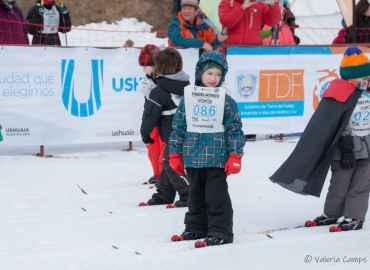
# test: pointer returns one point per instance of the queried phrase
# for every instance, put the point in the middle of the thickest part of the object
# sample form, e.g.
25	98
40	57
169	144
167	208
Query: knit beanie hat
355	64
192	3
147	55
208	65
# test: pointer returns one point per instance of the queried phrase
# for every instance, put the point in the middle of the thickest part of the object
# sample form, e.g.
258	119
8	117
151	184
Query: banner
72	95
278	88
88	95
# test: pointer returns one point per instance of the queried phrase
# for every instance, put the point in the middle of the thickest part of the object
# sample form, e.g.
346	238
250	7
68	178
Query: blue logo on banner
93	104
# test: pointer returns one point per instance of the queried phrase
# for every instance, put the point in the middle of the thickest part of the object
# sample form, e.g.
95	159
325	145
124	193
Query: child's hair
167	61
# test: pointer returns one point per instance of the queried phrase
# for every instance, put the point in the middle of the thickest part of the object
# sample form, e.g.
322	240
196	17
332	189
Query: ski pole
65	27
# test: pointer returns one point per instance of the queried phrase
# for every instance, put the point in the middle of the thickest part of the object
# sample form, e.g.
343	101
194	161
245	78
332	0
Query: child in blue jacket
207	139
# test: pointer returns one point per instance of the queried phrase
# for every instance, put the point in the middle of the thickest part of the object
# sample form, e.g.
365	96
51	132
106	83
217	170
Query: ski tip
144	204
177	238
171	205
310	223
200	244
335	229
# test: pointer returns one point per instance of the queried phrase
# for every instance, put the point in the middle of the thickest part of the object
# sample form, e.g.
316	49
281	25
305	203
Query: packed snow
47	222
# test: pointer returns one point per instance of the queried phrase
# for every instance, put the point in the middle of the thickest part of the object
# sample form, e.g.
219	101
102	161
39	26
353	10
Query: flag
210	8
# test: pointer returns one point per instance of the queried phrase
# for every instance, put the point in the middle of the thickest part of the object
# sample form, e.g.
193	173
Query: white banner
278	88
72	95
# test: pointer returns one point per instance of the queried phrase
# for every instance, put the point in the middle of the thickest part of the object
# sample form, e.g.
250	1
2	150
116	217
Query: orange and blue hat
355	64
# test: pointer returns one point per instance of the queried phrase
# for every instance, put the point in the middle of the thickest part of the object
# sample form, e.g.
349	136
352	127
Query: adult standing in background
46	20
244	19
187	30
12	28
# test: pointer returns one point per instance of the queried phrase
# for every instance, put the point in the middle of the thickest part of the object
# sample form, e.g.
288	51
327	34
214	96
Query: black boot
323	220
152	180
156	201
214	241
348	225
190	236
181	203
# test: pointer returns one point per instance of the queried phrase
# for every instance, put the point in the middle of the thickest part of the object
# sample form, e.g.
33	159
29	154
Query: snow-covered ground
43	225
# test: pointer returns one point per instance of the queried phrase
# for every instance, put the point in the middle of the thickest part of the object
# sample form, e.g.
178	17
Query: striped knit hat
354	64
192	3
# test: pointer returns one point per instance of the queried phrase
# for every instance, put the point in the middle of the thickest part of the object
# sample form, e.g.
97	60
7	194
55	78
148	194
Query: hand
346	146
42	10
247	4
207	46
147	140
176	163
233	165
63	9
348	161
221	38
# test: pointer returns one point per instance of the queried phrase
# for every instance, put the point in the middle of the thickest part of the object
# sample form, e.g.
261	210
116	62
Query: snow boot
349	224
156	201
321	221
185	236
152	180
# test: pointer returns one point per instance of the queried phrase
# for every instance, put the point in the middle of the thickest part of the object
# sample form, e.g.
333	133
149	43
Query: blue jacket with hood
206	150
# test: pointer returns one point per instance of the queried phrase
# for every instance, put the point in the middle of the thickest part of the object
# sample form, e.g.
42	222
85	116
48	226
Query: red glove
233	165
176	163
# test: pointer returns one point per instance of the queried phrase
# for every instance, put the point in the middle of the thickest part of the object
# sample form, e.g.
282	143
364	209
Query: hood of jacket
174	83
214	56
4	6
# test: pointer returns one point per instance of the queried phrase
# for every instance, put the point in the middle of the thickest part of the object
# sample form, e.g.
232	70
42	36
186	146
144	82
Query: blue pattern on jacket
205	150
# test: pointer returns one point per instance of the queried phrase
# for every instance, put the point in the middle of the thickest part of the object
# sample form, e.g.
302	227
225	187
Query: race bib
204	108
51	21
146	86
360	119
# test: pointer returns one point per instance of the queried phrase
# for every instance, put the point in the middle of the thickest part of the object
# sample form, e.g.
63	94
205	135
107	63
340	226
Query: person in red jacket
244	19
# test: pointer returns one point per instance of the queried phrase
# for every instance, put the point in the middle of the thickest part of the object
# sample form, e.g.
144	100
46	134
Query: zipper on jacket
251	22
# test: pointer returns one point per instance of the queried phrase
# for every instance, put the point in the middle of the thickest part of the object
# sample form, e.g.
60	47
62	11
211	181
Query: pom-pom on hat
355	64
147	55
192	3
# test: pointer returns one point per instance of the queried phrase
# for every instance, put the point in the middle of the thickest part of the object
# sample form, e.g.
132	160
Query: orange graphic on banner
329	74
278	85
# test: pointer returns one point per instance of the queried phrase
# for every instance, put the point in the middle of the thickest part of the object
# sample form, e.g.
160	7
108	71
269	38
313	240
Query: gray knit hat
192	3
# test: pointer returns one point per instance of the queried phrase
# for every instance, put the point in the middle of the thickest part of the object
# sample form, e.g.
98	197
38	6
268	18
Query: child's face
148	70
212	77
362	83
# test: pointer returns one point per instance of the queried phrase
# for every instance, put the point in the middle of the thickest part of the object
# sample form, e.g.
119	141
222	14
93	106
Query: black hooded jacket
36	21
160	107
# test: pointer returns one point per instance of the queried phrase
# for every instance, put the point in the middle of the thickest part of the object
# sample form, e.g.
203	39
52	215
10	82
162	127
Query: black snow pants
210	210
170	181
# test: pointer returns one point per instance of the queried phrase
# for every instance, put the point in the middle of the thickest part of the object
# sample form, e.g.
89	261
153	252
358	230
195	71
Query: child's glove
233	165
176	163
63	9
346	146
147	140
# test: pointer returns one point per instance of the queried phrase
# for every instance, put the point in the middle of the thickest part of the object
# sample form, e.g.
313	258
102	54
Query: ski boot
152	180
348	224
156	201
185	236
153	201
321	221
212	241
